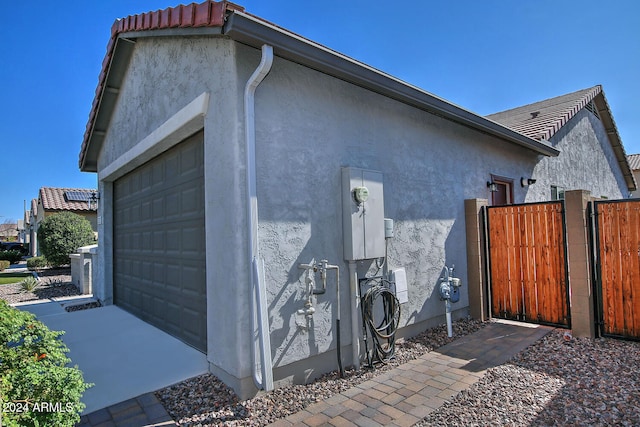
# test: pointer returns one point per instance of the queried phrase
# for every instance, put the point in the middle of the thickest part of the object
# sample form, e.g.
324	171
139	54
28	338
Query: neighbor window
557	193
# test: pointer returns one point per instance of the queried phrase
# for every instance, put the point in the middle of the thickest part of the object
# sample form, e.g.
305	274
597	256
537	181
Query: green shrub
37	262
12	256
4	265
37	388
29	284
62	234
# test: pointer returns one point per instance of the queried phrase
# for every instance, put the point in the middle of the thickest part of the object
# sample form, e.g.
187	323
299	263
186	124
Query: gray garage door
159	242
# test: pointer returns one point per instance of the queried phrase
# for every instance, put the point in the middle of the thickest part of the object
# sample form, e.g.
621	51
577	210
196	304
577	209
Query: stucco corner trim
181	125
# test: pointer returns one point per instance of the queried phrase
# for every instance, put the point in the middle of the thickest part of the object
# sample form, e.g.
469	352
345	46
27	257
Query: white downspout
355	315
263	378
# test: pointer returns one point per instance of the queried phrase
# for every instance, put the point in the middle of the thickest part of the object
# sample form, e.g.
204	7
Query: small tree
62	234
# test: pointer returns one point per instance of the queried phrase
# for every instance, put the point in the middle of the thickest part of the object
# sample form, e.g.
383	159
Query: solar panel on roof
77	196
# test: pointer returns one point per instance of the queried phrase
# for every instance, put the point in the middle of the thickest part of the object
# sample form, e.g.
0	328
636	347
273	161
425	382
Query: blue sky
486	56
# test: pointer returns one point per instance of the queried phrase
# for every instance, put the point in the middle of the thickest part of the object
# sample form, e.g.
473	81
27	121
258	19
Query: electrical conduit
262	365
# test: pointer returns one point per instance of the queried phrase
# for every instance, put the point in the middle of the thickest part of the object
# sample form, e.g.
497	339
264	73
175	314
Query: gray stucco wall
586	162
636	175
309	125
164	75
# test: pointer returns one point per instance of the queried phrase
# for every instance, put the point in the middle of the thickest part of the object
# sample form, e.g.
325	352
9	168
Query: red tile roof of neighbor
56	199
541	120
634	161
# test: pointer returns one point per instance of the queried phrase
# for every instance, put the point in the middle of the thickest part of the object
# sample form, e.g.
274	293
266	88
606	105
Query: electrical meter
361	194
363	226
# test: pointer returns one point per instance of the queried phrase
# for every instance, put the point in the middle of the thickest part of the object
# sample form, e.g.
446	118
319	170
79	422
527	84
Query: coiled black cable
383	332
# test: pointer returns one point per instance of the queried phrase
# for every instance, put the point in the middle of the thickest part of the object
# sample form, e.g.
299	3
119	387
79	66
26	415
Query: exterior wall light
93	200
492	186
525	182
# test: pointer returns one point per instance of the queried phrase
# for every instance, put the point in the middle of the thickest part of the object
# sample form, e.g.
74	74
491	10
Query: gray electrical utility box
362	214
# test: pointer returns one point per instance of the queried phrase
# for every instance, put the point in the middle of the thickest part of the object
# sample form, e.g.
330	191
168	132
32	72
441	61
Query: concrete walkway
399	397
122	355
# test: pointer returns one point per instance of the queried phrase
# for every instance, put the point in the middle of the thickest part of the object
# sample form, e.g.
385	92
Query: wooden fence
617	226
527	263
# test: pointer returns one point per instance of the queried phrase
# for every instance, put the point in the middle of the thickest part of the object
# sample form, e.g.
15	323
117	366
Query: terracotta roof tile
634	161
541	120
207	14
56	199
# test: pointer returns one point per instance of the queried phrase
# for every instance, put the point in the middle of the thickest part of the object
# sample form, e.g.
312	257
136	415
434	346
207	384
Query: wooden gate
527	263
617	251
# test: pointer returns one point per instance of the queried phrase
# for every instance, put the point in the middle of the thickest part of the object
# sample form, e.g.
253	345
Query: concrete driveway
122	355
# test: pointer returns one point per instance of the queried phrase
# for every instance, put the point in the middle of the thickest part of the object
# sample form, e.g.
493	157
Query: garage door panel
172	273
173	206
159	249
190	241
190	276
158	207
189	160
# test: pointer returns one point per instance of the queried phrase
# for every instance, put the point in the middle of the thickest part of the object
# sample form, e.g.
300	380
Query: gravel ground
206	401
55	282
554	382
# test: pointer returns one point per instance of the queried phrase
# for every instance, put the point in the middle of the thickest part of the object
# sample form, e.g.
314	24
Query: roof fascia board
248	30
108	98
173	32
614	139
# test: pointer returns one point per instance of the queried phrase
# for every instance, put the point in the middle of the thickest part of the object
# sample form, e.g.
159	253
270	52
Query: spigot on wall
324	267
310	281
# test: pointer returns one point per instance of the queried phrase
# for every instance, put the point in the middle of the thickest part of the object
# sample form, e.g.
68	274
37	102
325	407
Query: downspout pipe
355	310
262	365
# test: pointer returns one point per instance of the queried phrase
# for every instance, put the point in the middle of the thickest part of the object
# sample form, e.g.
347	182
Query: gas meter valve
445	290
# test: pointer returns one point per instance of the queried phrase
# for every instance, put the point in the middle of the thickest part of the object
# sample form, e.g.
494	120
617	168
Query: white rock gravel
54	282
205	401
555	381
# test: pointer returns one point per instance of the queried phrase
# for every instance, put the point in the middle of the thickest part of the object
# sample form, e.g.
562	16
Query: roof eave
248	30
614	138
106	102
254	32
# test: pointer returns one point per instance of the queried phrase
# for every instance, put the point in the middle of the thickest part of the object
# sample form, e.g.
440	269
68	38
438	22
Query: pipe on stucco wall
263	369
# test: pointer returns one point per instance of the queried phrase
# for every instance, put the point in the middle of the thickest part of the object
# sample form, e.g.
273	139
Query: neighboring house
581	126
634	163
213	179
52	200
23	236
9	231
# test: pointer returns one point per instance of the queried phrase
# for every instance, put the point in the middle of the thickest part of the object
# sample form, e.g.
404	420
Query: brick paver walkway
399	397
408	393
